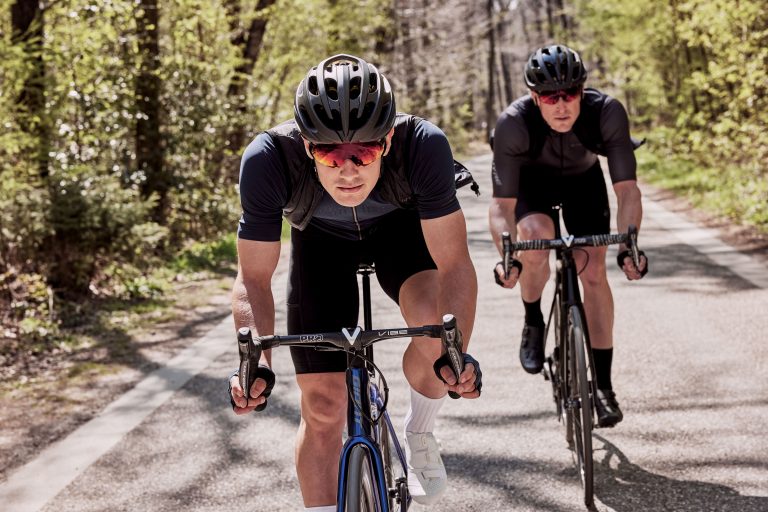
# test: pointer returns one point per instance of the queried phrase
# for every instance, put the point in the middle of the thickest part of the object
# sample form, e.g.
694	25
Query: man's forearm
254	309
458	296
501	217
630	209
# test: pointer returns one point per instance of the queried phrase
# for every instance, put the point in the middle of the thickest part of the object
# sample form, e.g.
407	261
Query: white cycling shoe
427	479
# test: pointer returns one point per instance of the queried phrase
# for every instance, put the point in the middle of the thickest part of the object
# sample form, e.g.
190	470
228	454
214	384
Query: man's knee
594	275
323	402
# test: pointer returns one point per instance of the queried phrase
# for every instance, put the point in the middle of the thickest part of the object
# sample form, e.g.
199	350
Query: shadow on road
509	480
626	487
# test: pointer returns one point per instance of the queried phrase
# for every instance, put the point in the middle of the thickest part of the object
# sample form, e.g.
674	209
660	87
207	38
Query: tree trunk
27	31
490	110
149	144
550	20
250	42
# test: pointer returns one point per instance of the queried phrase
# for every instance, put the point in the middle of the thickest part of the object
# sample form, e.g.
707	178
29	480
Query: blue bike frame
360	430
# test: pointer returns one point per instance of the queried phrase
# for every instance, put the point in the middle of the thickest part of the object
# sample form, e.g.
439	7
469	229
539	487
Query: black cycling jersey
265	188
563	153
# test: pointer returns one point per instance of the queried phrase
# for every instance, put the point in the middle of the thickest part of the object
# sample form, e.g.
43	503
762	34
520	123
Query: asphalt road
690	370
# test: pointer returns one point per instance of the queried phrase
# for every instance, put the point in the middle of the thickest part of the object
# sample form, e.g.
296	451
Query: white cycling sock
422	413
327	508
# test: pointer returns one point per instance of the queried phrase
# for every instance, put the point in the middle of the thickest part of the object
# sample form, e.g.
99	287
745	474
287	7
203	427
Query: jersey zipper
357	223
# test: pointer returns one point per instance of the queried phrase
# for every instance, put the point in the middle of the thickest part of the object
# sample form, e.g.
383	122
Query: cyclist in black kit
358	182
546	147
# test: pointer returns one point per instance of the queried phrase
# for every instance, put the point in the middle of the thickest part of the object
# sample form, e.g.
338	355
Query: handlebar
250	348
568	242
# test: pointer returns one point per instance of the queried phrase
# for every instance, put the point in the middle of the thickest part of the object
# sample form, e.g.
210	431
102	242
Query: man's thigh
399	251
322	294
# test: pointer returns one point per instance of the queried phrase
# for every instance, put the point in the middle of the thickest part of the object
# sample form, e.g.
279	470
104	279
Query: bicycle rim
580	407
360	493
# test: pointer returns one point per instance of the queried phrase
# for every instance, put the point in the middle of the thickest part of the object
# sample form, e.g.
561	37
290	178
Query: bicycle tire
580	407
561	355
393	471
360	493
386	458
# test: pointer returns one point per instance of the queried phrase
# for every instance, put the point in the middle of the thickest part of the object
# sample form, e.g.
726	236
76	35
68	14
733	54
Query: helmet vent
359	121
306	119
321	116
383	115
331	88
373	83
354	87
312	85
552	70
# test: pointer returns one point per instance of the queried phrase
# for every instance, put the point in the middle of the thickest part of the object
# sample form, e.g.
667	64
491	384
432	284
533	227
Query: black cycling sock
533	315
603	359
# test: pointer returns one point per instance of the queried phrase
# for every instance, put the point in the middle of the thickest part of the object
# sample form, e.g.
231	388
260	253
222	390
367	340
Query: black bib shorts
323	291
584	198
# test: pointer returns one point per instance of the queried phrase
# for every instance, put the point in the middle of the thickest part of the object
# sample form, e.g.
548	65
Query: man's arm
501	217
253	305
629	212
446	239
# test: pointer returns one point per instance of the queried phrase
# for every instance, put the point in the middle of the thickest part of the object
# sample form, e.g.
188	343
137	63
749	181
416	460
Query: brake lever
634	251
506	245
451	338
250	354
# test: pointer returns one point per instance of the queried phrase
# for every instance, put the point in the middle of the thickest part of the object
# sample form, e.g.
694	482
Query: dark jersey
562	153
264	189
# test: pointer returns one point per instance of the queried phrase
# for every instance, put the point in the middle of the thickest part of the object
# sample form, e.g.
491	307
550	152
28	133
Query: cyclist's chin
562	125
351	197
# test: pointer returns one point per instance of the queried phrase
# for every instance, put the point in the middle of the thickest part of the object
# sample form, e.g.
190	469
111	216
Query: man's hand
514	274
626	264
470	382
260	391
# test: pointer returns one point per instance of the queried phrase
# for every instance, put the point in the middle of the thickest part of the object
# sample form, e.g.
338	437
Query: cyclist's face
349	184
562	115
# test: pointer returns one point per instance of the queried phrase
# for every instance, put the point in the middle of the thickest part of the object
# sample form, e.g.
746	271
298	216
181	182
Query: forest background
123	121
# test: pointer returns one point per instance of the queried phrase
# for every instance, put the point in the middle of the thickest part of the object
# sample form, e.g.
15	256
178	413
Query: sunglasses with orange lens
552	97
360	153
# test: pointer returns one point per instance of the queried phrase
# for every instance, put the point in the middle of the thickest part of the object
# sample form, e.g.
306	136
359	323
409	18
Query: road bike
570	366
372	466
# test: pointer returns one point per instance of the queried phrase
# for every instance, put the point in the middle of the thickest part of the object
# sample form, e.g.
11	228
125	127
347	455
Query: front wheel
580	401
360	494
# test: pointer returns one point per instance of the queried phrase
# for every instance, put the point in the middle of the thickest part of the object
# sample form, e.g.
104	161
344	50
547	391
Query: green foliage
30	305
695	72
215	255
744	200
700	66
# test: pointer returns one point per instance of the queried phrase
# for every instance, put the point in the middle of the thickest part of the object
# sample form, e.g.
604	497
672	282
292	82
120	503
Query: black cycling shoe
608	412
532	348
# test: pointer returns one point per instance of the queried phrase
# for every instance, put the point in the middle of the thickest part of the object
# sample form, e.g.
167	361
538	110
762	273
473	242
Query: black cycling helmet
554	67
344	99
